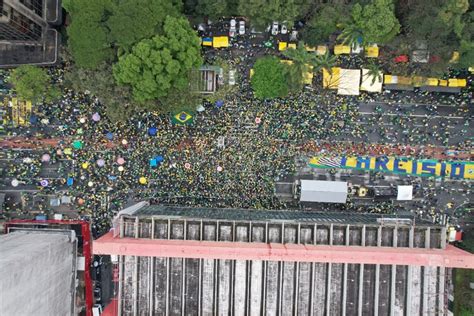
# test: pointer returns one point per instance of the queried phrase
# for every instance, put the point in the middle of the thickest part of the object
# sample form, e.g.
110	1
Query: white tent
367	84
349	82
323	191
404	193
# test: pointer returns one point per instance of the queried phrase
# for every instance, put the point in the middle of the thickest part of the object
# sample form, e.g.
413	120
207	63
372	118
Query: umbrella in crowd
96	117
120	161
33	119
100	162
109	136
44	183
152	131
45	158
15	183
77	144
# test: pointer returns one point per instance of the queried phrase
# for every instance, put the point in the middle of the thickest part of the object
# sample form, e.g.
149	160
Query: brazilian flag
182	118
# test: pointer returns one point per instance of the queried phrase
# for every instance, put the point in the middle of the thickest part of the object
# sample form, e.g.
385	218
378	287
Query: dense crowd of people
230	156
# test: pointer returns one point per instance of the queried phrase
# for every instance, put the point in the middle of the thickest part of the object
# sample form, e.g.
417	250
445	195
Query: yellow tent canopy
342	49
282	46
432	82
292	45
310	48
220	41
331	81
443	83
457	83
372	51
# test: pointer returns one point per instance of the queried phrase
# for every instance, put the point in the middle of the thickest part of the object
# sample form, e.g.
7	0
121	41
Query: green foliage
87	34
376	21
324	23
294	76
212	8
157	66
134	20
100	82
33	83
302	60
268	80
262	12
374	71
325	61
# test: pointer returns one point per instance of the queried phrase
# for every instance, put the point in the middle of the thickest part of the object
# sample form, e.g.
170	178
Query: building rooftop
38	269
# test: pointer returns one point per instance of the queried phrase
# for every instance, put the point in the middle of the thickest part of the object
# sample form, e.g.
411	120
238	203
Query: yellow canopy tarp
372	51
308	75
282	46
457	83
443	83
220	41
309	48
418	81
342	49
292	45
331	81
432	82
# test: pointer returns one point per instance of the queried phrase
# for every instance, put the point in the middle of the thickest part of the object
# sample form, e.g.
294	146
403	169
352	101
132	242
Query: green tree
351	35
324	23
134	20
156	67
325	61
34	84
87	34
212	8
262	12
302	60
268	80
100	83
294	77
376	21
374	71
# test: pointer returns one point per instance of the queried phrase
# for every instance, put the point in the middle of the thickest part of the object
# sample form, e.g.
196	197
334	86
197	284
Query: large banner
433	168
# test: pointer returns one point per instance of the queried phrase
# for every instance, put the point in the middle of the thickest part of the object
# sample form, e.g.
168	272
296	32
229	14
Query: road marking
415	115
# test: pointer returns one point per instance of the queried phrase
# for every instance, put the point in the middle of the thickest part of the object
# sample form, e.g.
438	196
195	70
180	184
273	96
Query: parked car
274	28
241	27
284	29
233	28
232	77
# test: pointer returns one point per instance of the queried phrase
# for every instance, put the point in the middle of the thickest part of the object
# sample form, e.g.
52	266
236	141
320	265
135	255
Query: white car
233	28
241	27
275	28
232	77
284	29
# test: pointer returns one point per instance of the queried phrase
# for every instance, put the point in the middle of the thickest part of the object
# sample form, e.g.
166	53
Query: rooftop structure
175	260
38	272
51	267
27	35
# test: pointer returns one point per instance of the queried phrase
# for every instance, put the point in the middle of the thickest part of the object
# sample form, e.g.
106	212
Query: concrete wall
37	273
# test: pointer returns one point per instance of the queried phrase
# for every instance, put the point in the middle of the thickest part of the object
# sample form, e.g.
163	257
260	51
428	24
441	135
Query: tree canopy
33	83
323	23
262	12
268	80
134	20
87	35
156	66
376	21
